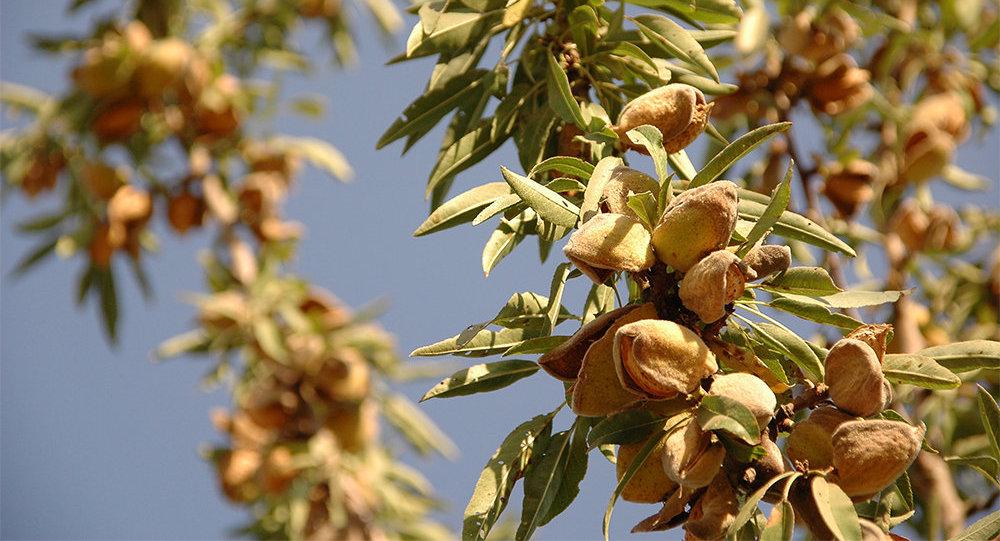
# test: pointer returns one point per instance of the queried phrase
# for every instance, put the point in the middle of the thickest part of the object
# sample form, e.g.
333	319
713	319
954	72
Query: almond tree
733	345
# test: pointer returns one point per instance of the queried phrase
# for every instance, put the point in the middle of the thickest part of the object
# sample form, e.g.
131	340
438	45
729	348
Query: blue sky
101	443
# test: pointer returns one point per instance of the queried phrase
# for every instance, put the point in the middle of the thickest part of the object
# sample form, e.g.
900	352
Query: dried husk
624	181
854	377
714	282
944	229
811	440
713	513
910	224
185	211
692	457
848	186
748	390
945	111
875	335
679	111
102	180
608	243
869	455
563	361
660	359
839	85
355	426
768	259
926	152
597	391
650	483
697	222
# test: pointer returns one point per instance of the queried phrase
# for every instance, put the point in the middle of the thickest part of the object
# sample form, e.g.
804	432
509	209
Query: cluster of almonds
305	419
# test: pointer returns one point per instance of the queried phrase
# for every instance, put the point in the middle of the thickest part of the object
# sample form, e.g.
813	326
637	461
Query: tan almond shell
563	361
749	390
691	458
624	180
597	391
716	510
768	259
660	359
714	282
870	455
679	111
650	483
811	440
697	222
854	377
610	242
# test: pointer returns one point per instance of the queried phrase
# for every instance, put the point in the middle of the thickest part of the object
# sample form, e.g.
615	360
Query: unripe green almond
563	361
692	458
679	111
854	377
696	223
660	359
811	440
650	483
623	181
714	282
597	391
768	259
607	243
869	455
713	513
749	390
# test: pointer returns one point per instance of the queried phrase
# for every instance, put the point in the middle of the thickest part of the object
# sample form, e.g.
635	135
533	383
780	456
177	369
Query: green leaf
468	150
637	462
502	471
651	138
781	524
554	307
191	341
918	370
706	11
482	378
736	150
427	110
462	208
561	96
541	483
418	429
525	308
626	427
35	257
780	197
540	344
549	205
105	279
595	186
836	509
984	529
682	164
677	41
813	310
791	225
574	471
566	164
270	339
810	281
41	223
320	154
749	507
498	205
988	466
858	299
989	412
966	356
728	415
450	31
501	242
790	345
483	344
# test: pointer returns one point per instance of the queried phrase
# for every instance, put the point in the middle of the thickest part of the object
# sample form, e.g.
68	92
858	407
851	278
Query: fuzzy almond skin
748	390
691	458
660	359
650	484
875	335
768	259
854	376
563	361
712	283
679	111
597	391
811	440
608	243
870	455
624	180
715	511
696	223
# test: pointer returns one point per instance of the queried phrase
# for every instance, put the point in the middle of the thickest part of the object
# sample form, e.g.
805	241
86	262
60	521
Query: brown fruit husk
848	186
237	469
944	230
696	223
650	483
926	152
748	390
346	376
868	455
325	309
692	458
910	224
42	172
162	66
768	259
945	111
607	243
716	510
102	180
875	335
854	377
803	500
104	71
128	211
714	282
563	361
839	86
660	359
597	391
278	471
818	39
624	181
216	113
811	440
679	111
768	467
100	247
185	211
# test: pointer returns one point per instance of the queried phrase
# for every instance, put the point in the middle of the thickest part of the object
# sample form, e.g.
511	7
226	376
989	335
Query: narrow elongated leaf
966	356
749	507
637	462
572	474
791	225
676	40
792	346
109	303
418	429
498	477
780	197
651	138
542	482
483	344
728	156
565	164
810	281
625	427
814	310
918	370
780	525
682	164
501	242
595	186
35	257
427	110
561	96
549	205
858	299
540	344
462	208
449	31
190	341
989	412
836	510
706	11
498	205
552	311
468	150
482	378
984	529
729	415
988	466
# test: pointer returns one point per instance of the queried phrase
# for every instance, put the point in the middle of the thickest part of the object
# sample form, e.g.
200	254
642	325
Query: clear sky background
101	443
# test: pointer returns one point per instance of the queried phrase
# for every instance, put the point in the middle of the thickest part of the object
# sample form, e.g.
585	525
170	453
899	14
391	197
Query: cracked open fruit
608	243
679	111
660	359
714	282
692	457
696	223
650	483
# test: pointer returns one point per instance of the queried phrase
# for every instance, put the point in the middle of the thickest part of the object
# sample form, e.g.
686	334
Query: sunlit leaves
462	208
918	370
482	378
728	156
549	205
